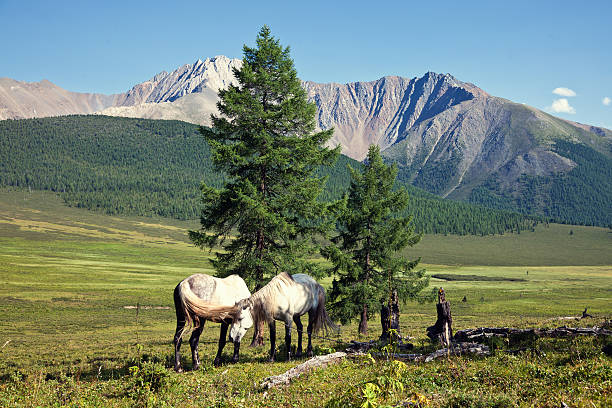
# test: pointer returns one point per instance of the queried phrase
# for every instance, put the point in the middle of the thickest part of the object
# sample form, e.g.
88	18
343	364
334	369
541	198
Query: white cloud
606	101
561	106
564	92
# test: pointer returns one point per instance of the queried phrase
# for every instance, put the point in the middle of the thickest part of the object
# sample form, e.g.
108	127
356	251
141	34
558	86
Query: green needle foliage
265	143
365	252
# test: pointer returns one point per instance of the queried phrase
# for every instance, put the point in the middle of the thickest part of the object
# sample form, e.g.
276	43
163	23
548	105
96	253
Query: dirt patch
467	278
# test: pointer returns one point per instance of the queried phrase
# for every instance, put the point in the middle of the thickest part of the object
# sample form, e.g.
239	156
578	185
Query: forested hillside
580	196
155	167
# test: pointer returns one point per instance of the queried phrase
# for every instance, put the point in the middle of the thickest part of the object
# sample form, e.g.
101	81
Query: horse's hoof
270	359
178	369
196	367
217	362
234	360
309	353
298	354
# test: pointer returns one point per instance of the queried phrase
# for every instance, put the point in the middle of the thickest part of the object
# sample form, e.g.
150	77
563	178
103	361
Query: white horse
284	298
197	299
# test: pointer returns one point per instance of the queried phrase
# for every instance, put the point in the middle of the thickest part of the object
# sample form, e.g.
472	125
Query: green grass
67	338
549	245
474	278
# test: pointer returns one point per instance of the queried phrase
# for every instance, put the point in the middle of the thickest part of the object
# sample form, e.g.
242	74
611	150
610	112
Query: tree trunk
389	318
442	330
258	339
363	323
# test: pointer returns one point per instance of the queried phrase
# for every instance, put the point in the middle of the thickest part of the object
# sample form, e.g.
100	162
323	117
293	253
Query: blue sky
519	50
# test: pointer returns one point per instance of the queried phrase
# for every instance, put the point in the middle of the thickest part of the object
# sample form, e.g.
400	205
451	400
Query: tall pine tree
364	254
265	216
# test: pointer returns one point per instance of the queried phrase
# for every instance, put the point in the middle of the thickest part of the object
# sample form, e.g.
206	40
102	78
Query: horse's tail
195	309
181	313
322	319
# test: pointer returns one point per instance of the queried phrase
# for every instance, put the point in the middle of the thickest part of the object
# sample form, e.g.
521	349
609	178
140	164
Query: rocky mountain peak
380	112
212	73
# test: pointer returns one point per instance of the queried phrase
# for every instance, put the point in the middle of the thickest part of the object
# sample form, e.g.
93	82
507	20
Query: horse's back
221	291
304	279
202	285
305	294
232	289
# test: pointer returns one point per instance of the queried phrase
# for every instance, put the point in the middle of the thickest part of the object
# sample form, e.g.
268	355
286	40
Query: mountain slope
448	137
212	74
199	81
155	167
193	108
20	100
455	140
381	111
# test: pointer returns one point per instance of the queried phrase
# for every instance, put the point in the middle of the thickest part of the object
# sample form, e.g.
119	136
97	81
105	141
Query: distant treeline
155	167
580	196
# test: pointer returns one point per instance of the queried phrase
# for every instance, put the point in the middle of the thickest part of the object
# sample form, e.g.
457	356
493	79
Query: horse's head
243	320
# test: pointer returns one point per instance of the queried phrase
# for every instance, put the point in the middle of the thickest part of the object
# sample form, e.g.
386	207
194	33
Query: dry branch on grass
483	333
455	349
294	372
583	316
323	361
365	346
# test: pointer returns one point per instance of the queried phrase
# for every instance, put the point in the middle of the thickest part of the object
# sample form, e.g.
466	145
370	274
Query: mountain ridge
21	100
448	137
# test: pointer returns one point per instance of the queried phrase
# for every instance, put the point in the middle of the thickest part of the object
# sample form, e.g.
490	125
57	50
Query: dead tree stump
442	331
585	314
389	318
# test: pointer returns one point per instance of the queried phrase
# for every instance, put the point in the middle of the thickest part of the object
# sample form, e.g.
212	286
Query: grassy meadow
70	334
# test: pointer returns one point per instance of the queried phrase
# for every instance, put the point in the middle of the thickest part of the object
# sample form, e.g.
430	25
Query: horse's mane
264	300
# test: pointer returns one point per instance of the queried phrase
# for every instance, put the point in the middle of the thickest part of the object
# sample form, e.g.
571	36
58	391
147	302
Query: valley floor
70	335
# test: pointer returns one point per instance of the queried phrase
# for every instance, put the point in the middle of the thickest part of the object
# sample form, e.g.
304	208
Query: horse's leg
178	339
272	326
194	341
298	325
180	326
288	338
222	340
236	351
311	317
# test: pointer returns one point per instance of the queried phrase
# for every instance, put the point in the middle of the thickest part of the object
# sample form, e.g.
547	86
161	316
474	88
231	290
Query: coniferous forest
155	167
580	196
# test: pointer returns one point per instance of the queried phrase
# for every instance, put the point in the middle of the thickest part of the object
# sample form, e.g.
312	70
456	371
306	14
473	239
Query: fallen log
455	349
315	362
333	358
361	346
364	347
584	315
459	349
482	333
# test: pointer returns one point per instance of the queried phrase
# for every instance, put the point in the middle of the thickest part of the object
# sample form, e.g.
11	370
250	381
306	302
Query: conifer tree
364	254
266	214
